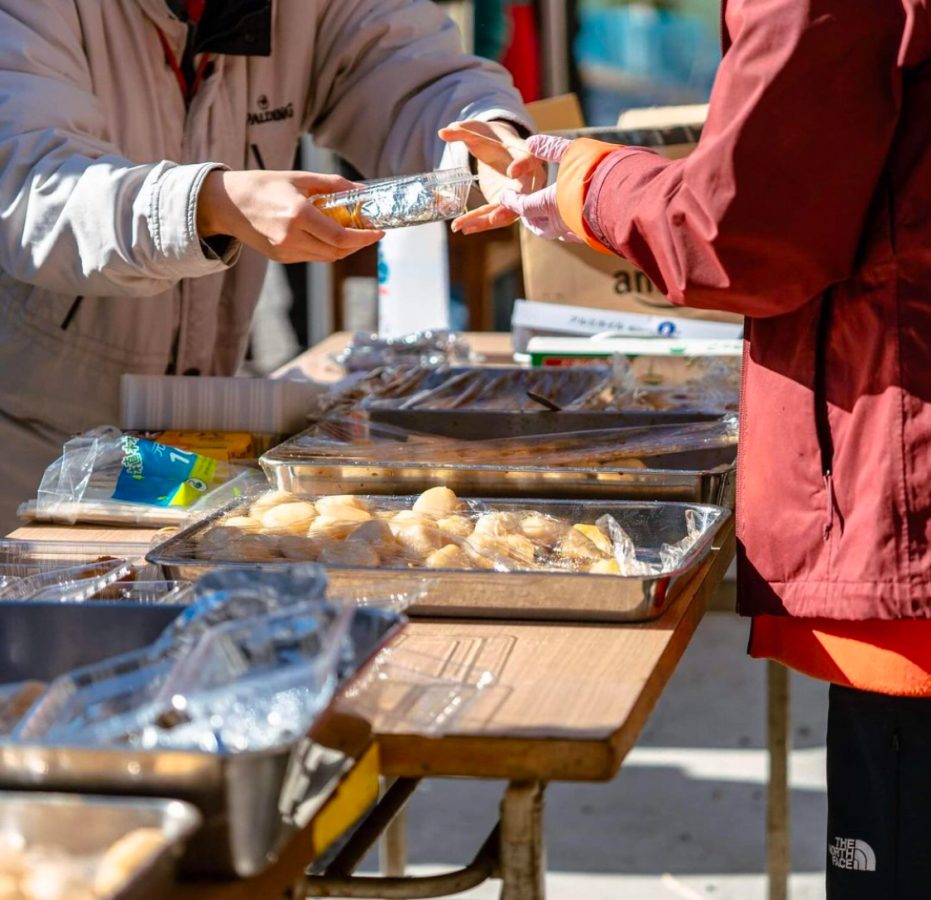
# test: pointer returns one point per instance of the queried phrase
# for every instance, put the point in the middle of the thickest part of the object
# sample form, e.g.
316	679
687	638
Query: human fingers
310	183
312	221
549	147
528	168
305	247
484	218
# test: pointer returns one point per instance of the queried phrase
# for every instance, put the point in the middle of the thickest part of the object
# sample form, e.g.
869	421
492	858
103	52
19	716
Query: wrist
214	205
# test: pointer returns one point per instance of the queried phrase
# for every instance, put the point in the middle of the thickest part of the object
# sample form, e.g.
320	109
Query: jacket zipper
822	422
72	312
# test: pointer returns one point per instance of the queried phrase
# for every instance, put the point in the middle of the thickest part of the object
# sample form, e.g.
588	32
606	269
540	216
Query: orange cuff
575	172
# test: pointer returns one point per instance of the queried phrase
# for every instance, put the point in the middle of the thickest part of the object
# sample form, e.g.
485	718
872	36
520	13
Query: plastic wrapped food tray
71	570
660	386
521	593
399	202
354	463
251	803
86	826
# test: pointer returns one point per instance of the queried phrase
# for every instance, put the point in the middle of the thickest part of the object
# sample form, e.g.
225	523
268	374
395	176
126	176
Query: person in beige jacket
145	156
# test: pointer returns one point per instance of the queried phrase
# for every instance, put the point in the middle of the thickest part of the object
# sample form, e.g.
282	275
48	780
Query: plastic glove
538	211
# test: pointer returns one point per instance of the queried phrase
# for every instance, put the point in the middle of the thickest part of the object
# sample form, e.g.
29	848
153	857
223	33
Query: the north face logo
850	853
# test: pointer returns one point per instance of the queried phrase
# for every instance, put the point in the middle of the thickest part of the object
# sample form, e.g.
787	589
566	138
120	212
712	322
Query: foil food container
399	202
82	826
543	594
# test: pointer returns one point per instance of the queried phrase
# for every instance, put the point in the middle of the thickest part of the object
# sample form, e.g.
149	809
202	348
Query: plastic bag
248	666
106	476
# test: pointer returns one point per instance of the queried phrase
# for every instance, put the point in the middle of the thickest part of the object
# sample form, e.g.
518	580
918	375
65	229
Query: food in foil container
418	353
399	202
437	530
44	871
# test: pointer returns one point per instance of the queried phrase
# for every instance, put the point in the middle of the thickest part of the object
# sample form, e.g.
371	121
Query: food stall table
569	703
575	698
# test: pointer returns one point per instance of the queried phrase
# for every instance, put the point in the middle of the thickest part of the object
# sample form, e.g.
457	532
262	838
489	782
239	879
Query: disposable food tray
526	594
701	476
399	202
89	825
250	802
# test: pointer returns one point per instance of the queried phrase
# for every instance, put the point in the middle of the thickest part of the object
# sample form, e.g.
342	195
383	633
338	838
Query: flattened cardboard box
576	275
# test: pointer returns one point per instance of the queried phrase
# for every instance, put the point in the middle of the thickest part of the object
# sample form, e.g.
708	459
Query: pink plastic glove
538	211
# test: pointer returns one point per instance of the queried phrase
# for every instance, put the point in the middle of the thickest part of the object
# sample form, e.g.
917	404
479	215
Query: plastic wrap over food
73	583
15	700
426	684
398	202
107	476
645	384
618	447
74	571
436	530
409	358
250	665
513	389
710	384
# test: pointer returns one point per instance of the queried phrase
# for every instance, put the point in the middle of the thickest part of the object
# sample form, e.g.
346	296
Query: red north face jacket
807	207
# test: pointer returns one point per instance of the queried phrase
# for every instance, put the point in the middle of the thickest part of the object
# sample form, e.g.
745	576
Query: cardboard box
575	275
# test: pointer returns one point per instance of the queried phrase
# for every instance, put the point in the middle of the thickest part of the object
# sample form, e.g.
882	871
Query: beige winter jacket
100	167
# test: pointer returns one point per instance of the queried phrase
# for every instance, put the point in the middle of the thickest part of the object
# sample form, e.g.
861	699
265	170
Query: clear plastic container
399	202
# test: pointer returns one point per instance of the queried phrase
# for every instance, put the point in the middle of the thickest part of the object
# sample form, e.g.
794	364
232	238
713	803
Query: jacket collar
229	27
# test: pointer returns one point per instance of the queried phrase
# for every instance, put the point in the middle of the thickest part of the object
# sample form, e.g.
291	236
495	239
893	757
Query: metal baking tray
89	825
490	424
519	594
700	476
251	803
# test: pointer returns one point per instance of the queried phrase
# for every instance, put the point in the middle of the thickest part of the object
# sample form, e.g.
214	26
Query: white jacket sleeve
75	215
389	74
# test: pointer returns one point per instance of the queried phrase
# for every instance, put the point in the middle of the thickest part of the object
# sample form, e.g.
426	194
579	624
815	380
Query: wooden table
568	701
568	704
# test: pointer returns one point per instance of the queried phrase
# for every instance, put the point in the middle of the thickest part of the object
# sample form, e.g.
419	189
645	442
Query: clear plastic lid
399	202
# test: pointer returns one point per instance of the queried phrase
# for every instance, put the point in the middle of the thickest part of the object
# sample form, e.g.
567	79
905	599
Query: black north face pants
879	796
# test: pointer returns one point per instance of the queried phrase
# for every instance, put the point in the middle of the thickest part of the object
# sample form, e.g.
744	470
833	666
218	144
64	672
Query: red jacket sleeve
768	210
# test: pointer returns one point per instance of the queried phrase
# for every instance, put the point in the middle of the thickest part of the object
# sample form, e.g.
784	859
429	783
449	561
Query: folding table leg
393	849
778	862
523	858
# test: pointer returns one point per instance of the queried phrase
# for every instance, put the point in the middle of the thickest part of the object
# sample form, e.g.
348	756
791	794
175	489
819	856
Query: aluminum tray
490	424
526	595
700	476
251	802
87	825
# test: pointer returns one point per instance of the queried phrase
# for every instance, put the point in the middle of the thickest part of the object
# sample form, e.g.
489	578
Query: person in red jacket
806	206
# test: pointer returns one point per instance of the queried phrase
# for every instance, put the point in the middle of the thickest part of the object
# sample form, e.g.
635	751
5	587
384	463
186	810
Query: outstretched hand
505	164
539	211
272	213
